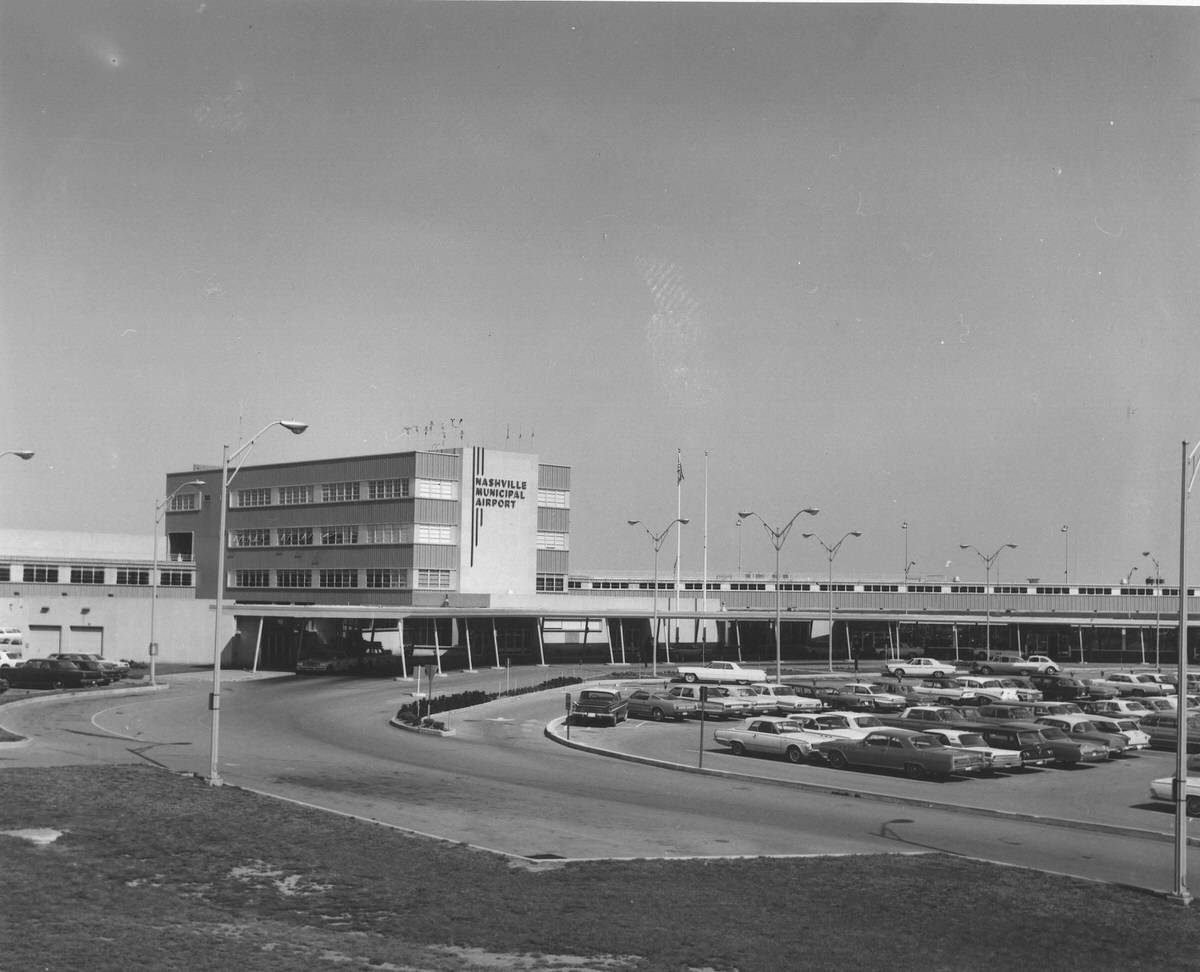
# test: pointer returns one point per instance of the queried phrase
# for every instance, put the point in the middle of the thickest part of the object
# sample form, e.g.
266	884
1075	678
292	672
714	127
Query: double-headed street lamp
777	539
832	552
657	539
987	590
160	508
214	701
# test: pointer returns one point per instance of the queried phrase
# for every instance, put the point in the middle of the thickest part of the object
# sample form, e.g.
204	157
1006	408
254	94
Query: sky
918	264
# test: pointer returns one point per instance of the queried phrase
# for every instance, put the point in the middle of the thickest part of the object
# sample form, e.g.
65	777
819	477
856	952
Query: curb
68	695
421	730
551	732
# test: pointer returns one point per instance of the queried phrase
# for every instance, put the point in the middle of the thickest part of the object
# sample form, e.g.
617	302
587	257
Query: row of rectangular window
352	491
122	576
348	535
344	579
553	541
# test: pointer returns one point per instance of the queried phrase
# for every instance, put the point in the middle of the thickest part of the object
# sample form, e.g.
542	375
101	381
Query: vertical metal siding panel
435	556
436	512
553	520
554	477
552	561
438	465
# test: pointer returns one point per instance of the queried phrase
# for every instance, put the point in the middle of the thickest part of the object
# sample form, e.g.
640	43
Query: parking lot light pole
987	589
777	539
1066	532
160	509
831	551
214	700
657	539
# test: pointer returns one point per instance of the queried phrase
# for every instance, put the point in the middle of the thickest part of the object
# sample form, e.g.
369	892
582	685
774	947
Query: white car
1047	666
721	671
964	739
1131	683
1126	727
783	698
983	689
1127	708
837	726
920	668
1164	788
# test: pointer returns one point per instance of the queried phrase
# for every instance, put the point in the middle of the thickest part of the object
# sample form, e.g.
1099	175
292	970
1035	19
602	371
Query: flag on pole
678	467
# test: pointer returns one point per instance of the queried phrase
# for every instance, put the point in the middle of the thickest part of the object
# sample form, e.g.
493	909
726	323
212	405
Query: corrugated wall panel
437	512
554	477
435	556
438	465
553	520
552	561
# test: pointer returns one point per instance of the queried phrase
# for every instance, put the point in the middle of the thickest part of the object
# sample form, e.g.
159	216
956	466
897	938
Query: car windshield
833	722
865	721
1137	706
1053	732
595	696
1028	738
925	742
1085	726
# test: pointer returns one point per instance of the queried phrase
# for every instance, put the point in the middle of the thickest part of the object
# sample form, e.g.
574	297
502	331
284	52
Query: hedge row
412	712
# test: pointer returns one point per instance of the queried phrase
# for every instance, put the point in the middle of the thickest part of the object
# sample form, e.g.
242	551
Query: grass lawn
158	871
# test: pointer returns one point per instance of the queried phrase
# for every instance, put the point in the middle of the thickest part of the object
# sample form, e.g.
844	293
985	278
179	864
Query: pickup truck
924	716
599	706
719	704
772	735
721	671
919	667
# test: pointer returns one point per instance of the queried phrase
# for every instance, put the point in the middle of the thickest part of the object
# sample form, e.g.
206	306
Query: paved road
500	783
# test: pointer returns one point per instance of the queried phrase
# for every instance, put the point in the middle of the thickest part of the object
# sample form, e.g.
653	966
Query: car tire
656	714
737	748
690	677
1052	669
914	771
837	759
56	684
794	755
985	669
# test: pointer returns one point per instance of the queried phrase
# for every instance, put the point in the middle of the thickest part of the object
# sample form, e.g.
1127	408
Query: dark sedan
53	673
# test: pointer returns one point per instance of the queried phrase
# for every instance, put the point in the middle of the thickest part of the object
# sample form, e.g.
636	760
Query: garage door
43	640
87	640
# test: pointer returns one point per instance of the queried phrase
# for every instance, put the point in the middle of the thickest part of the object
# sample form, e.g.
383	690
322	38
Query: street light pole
1066	532
987	589
907	565
214	700
831	552
1157	607
160	508
778	536
657	539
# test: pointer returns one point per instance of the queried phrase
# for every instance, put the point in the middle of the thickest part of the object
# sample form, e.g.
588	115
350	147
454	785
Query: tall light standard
907	565
1066	532
1157	607
832	552
777	539
160	508
657	539
214	701
19	453
987	590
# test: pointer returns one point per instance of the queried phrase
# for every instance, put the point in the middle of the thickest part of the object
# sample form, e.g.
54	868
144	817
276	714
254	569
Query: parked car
1030	743
1059	687
1097	690
323	664
1082	727
854	696
721	671
8	659
644	704
768	735
917	754
998	759
1026	690
1005	665
920	668
1005	712
1068	751
1131	684
838	725
924	717
1136	738
1045	664
599	706
1162	728
981	689
1164	788
1055	708
756	702
1129	708
113	669
945	690
713	701
51	673
784	698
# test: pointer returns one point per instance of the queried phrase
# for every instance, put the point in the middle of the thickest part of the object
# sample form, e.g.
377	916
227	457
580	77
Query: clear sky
934	264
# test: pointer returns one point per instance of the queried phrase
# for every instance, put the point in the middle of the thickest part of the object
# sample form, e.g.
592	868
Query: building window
250	538
294	536
87	575
175	578
428	533
558	498
433	579
551	541
253	497
41	575
295	495
251	578
339	578
293	578
5	572
388	533
333	536
184	503
339	492
380	489
437	489
549	582
379	579
135	578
